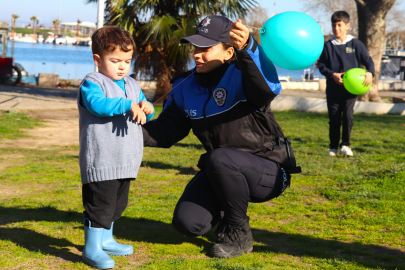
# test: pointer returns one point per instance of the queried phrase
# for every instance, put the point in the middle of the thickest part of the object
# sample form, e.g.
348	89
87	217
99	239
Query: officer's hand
239	34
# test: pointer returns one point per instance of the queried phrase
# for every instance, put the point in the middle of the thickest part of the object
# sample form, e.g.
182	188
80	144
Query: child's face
115	65
340	28
207	59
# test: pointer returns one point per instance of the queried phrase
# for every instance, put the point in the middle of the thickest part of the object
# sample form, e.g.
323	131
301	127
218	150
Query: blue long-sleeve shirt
94	100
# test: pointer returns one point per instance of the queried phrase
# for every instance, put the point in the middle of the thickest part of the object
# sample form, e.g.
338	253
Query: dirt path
58	107
61	128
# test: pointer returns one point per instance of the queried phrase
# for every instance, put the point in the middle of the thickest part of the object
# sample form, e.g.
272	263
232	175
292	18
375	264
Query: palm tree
14	17
157	27
55	24
78	25
34	20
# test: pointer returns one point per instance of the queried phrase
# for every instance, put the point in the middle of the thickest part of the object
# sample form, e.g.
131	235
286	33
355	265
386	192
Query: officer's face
207	59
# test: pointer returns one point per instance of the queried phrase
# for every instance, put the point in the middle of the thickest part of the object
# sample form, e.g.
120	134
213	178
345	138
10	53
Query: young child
111	144
341	53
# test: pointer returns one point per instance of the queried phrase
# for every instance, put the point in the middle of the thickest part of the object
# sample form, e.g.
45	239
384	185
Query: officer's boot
235	240
93	254
220	231
111	247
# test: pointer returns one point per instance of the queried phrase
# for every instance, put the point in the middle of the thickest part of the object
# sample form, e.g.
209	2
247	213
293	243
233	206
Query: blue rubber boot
111	247
93	254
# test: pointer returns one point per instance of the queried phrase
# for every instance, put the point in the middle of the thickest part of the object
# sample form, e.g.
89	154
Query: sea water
70	62
74	62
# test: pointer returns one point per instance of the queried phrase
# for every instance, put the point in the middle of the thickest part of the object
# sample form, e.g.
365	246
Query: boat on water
84	43
49	40
26	39
65	40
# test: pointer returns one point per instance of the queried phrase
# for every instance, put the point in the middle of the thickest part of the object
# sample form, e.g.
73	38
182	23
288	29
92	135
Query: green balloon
353	81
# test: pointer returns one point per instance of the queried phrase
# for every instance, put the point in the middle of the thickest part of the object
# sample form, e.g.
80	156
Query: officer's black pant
340	111
105	201
231	179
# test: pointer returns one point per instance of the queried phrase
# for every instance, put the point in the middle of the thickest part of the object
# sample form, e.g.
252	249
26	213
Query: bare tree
395	18
395	28
318	8
256	18
368	20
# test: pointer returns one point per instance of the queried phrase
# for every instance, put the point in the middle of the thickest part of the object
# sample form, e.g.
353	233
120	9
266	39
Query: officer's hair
108	38
340	16
226	47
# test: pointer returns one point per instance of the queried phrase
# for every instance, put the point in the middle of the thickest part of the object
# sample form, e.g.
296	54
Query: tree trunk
164	75
371	17
163	86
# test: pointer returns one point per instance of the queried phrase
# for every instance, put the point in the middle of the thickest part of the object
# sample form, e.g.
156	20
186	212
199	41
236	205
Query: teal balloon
292	40
353	81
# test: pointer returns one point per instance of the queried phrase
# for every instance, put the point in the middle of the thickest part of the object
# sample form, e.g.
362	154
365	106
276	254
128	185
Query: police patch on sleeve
220	96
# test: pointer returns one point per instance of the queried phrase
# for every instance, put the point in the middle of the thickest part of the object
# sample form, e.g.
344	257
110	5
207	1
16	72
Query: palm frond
159	28
236	9
180	52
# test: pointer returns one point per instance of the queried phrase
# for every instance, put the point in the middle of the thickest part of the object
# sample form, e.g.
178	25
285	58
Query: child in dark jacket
341	53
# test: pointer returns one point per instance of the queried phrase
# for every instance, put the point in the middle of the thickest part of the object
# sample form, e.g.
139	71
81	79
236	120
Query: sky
71	10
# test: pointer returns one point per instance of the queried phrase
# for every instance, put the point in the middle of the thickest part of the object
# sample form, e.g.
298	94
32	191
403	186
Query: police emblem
220	96
206	22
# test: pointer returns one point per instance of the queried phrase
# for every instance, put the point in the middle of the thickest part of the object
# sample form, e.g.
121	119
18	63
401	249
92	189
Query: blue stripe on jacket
266	67
94	100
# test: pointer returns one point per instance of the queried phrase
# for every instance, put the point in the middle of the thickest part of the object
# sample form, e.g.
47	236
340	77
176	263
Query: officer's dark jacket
228	107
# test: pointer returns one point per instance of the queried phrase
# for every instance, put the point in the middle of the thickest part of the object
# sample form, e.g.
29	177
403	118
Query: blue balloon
292	40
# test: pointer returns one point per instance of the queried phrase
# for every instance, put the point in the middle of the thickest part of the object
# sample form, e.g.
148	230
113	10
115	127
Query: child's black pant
105	201
231	179
340	111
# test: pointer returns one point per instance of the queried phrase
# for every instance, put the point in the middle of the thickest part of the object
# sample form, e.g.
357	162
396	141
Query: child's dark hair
108	38
340	16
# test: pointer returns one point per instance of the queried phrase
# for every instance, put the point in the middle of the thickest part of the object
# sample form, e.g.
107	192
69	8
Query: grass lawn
11	124
24	31
340	213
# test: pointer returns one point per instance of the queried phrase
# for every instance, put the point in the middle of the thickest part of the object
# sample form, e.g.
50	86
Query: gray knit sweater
110	147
